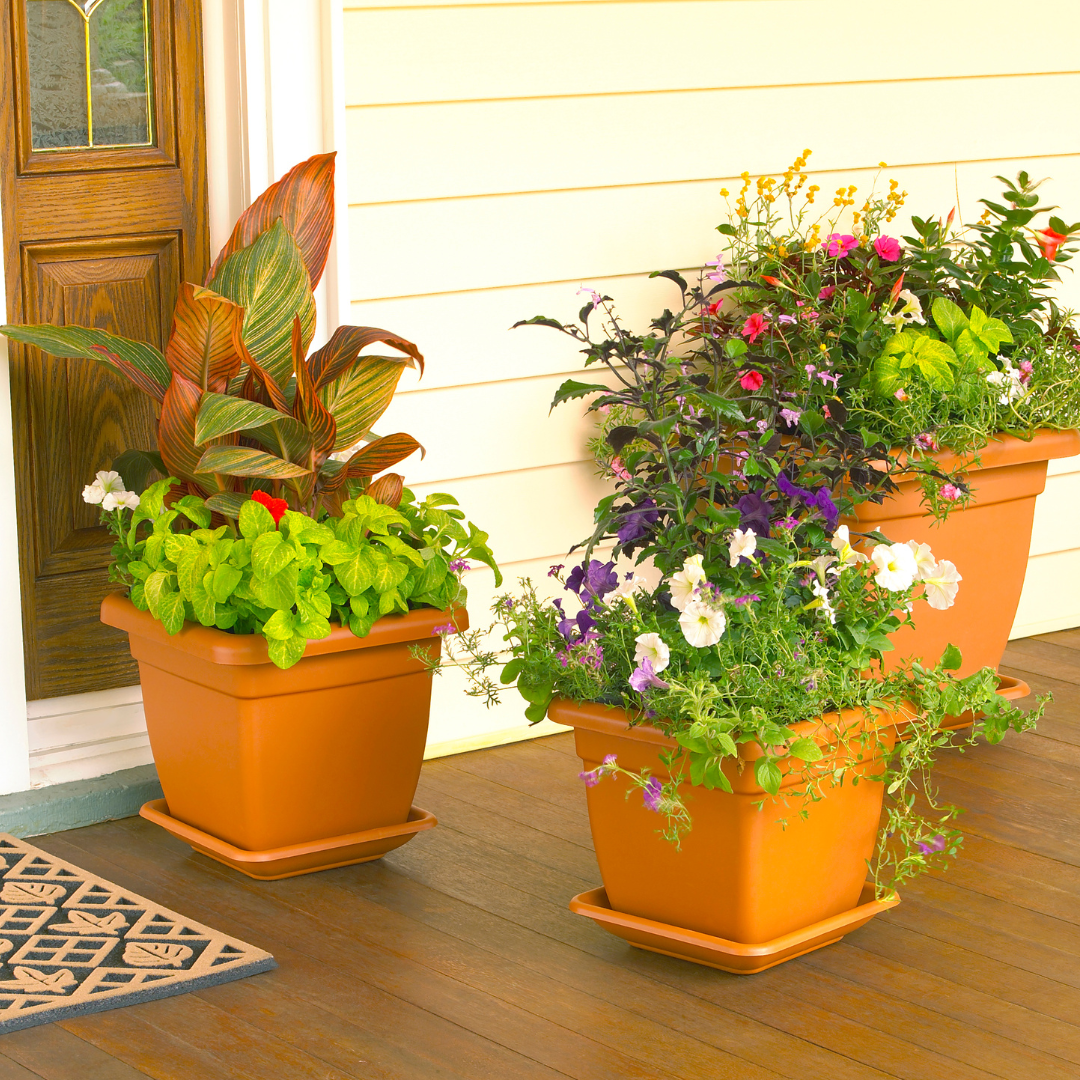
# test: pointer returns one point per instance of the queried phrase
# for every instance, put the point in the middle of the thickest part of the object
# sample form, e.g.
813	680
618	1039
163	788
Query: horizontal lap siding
502	155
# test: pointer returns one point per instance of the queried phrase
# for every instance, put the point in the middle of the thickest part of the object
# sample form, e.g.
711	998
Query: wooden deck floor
457	958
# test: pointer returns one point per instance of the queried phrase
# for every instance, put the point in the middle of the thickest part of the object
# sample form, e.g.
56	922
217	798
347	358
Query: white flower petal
701	624
742	544
896	566
653	648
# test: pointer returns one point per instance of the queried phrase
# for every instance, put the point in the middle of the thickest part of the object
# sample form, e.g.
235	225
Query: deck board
455	957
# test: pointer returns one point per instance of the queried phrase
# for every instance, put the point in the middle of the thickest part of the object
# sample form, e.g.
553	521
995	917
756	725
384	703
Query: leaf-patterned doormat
72	943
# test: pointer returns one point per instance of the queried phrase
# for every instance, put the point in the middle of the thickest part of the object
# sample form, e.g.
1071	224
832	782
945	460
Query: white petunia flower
821	564
105	485
701	624
1009	381
925	563
684	584
822	592
848	556
909	313
115	499
652	647
941	585
628	588
742	543
895	566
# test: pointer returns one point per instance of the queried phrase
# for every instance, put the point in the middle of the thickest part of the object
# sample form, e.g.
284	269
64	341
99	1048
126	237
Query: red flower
754	327
770	280
1050	240
895	292
277	507
751	380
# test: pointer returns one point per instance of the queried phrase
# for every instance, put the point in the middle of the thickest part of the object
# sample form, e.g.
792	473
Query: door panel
102	238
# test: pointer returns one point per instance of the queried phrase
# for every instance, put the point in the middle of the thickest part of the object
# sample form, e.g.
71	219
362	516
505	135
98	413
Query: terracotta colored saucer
718	952
295	859
1009	688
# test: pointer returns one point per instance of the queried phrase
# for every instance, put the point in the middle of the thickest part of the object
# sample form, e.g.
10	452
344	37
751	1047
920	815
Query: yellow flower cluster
740	202
843	196
894	200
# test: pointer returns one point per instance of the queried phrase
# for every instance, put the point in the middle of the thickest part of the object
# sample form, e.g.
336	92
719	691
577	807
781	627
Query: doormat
72	943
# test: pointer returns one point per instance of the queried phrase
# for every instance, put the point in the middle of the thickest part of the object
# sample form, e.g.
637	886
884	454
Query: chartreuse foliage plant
282	573
242	405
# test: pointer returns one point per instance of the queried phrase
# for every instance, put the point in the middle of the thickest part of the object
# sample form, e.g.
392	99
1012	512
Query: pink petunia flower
826	292
751	380
887	249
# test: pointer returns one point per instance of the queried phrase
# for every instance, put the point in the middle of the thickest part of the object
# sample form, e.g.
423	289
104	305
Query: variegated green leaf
246	461
268	280
227	503
360	396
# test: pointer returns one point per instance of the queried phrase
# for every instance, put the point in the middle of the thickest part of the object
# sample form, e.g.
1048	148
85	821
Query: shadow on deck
456	957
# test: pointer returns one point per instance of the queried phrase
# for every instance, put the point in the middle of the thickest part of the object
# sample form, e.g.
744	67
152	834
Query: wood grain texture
97	238
456	958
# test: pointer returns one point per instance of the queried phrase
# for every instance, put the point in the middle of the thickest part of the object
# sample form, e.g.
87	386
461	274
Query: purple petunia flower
791	491
755	513
644	678
652	793
576	629
636	521
593	582
823	501
937	844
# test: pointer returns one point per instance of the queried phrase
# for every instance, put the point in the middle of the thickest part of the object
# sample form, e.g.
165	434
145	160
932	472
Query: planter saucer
730	956
1009	688
294	859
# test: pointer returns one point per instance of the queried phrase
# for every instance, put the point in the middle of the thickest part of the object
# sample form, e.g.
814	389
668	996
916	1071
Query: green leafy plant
242	405
283	574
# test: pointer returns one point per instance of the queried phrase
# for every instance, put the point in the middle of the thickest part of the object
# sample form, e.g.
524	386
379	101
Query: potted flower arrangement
945	348
743	697
274	586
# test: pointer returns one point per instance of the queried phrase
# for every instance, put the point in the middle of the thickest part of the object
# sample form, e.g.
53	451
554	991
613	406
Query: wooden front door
102	148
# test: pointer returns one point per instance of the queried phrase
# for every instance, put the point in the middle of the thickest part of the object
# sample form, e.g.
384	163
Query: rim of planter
219	647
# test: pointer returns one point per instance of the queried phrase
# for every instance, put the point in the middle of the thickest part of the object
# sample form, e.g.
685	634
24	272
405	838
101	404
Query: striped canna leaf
221	415
343	349
247	461
269	281
304	200
307	407
201	347
359	397
387	489
371	459
227	503
176	429
141	363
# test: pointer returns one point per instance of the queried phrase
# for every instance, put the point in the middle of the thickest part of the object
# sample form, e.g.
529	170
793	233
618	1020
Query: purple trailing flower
754	511
788	523
827	377
750	598
718	273
644	678
593	582
636	521
594	776
652	793
786	320
458	565
937	844
555	570
791	416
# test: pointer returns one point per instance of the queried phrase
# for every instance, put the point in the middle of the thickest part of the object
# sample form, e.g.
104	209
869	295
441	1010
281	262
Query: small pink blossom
950	492
751	380
887	248
926	441
620	470
839	245
901	394
826	292
791	416
1026	369
810	369
754	327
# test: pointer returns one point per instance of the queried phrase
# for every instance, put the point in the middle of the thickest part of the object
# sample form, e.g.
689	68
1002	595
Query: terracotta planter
988	541
283	772
758	891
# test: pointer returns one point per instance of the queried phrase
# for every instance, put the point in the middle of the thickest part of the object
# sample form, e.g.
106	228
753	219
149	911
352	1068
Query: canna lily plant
242	406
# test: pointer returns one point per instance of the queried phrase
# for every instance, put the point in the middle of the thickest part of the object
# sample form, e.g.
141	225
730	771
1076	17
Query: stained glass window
89	73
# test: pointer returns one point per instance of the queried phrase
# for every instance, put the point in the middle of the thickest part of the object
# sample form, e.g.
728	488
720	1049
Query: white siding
500	155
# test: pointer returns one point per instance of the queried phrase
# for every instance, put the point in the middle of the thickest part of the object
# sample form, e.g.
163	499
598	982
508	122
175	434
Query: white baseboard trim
1045	626
493	738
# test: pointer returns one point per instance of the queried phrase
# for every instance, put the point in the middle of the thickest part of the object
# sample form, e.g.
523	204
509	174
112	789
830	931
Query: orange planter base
730	956
293	859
